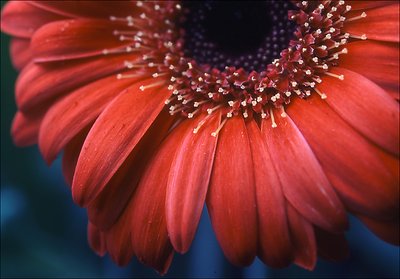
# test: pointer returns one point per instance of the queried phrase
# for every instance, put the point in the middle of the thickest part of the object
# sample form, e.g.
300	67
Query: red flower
279	155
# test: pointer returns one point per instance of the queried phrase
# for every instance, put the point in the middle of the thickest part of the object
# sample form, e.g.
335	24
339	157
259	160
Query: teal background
43	234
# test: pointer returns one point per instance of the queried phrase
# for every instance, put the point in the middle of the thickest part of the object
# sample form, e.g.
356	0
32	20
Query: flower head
162	107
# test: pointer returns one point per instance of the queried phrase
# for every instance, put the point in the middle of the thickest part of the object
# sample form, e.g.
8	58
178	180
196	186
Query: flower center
241	34
199	85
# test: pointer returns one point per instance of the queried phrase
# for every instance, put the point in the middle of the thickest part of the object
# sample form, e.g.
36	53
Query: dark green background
43	234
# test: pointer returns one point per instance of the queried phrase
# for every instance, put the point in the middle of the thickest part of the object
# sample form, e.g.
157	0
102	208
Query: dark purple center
243	34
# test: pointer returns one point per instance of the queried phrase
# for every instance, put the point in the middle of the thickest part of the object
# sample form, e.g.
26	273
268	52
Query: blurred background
43	233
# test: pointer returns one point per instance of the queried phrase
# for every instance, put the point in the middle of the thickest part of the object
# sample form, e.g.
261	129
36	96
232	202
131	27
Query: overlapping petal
331	246
20	53
231	196
303	181
89	9
275	247
96	240
303	239
21	19
381	23
380	61
150	240
39	83
356	168
386	230
75	38
188	183
105	209
365	106
113	136
70	115
25	129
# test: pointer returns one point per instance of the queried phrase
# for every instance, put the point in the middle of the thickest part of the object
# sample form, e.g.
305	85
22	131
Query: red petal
21	19
332	247
231	196
91	8
275	247
303	239
68	116
365	106
108	206
118	240
380	61
71	154
303	181
25	129
362	5
150	238
380	24
353	165
393	91
388	231
71	39
188	183
41	82
113	136
96	240
20	53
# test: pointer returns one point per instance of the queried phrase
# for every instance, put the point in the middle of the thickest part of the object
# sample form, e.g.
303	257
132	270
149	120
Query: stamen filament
361	37
322	95
272	119
363	15
215	133
341	77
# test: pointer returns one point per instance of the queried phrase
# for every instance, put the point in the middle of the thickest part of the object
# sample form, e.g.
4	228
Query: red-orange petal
231	196
109	204
303	239
114	135
332	247
96	240
71	154
21	19
72	113
118	240
304	183
150	238
275	248
355	167
380	61
362	5
380	24
38	83
392	90
25	129
365	106
188	182
74	38
386	230
89	9
20	53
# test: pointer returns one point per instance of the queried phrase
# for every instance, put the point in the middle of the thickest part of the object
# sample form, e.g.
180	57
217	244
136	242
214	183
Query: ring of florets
316	46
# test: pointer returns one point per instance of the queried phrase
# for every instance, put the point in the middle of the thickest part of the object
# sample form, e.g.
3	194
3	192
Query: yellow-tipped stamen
201	123
155	84
283	113
272	119
215	133
363	15
341	77
359	37
322	95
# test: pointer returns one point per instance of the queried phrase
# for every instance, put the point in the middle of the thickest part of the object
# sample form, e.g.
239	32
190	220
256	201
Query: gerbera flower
281	117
